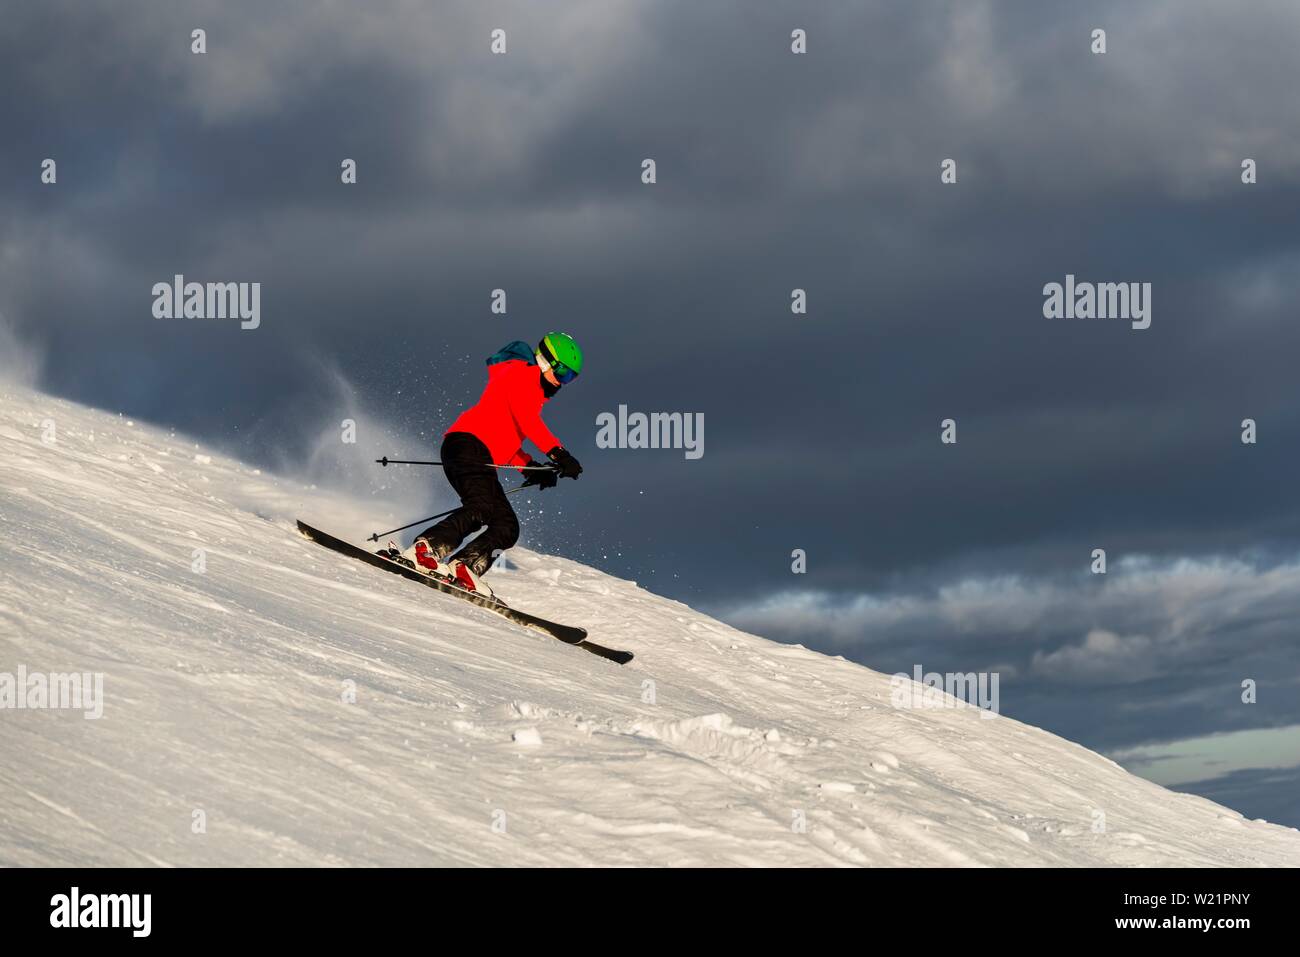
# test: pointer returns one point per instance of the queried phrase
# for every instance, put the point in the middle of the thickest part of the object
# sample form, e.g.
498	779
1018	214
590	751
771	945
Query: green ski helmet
558	351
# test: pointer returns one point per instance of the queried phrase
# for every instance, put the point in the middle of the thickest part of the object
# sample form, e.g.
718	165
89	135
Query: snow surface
471	741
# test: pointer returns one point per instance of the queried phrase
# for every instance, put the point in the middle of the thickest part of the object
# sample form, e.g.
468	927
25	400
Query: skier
492	432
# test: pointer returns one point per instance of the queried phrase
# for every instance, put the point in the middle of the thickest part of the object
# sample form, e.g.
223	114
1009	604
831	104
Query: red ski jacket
510	409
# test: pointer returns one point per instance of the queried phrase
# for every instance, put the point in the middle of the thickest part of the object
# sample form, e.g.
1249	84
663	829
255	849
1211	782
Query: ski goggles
563	374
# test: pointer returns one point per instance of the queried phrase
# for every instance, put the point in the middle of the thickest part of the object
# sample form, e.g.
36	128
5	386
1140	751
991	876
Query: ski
568	634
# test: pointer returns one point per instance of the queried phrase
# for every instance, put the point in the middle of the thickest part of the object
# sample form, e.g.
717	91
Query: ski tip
609	654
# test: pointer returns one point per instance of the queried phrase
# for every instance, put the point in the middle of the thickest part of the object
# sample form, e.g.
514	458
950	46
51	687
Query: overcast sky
776	171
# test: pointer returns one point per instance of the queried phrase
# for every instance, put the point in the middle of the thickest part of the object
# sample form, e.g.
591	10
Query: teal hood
515	350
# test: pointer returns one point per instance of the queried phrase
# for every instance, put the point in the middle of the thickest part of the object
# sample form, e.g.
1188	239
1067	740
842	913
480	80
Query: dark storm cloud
775	172
1271	794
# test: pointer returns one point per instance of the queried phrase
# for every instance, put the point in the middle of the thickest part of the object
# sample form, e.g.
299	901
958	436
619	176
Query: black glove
542	477
565	462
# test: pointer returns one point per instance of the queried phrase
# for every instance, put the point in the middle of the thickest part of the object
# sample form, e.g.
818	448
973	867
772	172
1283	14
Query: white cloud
1145	617
1102	656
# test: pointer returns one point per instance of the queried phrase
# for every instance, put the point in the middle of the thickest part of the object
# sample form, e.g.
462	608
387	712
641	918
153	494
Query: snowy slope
224	694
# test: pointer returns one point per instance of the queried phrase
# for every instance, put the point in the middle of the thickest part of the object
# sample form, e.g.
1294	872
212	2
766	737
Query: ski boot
465	577
424	559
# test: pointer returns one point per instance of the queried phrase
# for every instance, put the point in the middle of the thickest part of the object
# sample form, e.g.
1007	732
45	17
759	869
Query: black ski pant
482	502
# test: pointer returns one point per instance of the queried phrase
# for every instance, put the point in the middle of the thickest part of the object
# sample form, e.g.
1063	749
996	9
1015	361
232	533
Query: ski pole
377	535
386	461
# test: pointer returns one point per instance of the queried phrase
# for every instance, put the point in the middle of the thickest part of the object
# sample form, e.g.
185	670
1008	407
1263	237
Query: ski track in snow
224	693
